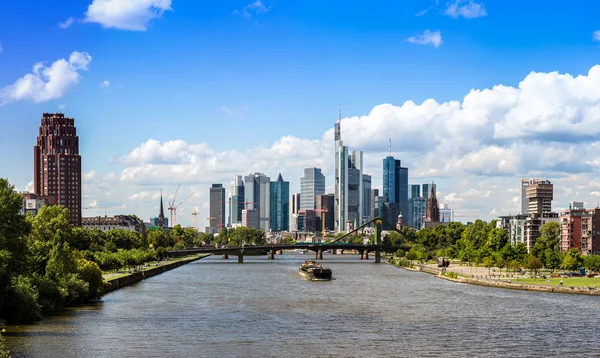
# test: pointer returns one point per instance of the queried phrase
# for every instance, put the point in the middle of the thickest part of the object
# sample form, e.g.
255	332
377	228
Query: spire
161	215
390	147
337	132
279	178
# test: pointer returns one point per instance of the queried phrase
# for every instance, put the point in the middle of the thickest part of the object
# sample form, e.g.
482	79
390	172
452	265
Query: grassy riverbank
567	281
114	274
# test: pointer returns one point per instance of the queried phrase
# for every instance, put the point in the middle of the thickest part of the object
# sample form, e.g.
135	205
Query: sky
473	94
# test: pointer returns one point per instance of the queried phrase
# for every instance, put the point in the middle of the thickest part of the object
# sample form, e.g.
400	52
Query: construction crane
174	208
323	210
195	213
171	203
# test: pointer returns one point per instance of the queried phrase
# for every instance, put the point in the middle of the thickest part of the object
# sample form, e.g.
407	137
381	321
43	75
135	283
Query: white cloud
105	84
131	15
427	38
474	148
254	8
469	9
67	23
47	83
596	35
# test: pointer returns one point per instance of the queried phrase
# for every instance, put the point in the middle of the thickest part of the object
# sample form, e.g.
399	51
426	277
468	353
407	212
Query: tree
592	262
13	246
550	236
489	263
497	239
572	260
49	221
553	259
159	238
533	263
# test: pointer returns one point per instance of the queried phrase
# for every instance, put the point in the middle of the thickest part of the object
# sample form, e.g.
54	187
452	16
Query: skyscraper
280	205
415	191
326	202
395	184
539	197
366	198
236	201
355	189
524	201
257	190
57	164
341	179
427	189
217	207
312	184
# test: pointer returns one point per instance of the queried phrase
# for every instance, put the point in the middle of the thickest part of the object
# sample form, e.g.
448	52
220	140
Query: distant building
366	198
294	208
416	212
216	207
580	229
534	223
156	221
517	230
427	190
446	214
250	218
32	203
432	211
415	191
57	164
280	205
355	189
326	202
257	189
307	221
539	195
107	223
374	209
312	184
236	201
395	184
524	201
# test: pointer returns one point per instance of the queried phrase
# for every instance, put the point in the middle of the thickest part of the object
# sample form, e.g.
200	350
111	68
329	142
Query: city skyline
474	130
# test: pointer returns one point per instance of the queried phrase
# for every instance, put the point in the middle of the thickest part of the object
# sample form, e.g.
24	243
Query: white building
32	203
107	223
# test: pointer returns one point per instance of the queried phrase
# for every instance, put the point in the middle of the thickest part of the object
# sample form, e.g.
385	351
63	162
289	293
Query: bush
49	295
450	274
74	289
400	253
92	275
403	263
23	300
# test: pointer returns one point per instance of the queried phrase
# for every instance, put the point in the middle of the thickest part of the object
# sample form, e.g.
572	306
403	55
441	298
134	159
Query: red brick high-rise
57	164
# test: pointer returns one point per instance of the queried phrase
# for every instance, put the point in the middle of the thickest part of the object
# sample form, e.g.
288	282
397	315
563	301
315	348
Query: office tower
355	189
341	180
427	190
280	205
258	196
295	205
374	195
417	212
395	184
57	164
446	214
524	202
216	207
236	201
539	196
326	202
366	198
312	184
415	191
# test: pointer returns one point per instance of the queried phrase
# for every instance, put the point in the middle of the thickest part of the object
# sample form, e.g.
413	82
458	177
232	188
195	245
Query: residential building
57	164
280	205
517	230
32	203
446	214
326	203
366	198
258	196
395	184
524	201
580	229
539	196
312	184
107	223
236	201
534	223
216	207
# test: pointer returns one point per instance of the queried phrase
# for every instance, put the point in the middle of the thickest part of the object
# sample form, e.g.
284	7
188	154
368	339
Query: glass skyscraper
395	184
280	205
312	184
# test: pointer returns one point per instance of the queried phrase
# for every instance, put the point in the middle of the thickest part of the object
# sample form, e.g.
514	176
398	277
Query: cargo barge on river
312	270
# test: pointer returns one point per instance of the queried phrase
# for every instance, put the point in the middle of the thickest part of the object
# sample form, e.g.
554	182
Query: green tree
159	238
50	221
497	239
592	262
489	263
533	263
90	272
553	259
476	233
13	246
572	260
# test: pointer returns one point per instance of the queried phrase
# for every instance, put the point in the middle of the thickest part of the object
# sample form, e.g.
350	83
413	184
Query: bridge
318	248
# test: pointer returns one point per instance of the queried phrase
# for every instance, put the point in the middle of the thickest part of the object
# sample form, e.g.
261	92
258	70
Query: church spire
161	215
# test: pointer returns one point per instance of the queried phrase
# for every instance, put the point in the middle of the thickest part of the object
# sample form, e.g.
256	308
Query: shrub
49	295
92	275
23	300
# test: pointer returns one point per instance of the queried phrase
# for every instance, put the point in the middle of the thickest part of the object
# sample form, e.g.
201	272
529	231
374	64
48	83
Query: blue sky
237	76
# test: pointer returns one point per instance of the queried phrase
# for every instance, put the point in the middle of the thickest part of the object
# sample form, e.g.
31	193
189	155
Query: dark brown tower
432	210
161	214
57	164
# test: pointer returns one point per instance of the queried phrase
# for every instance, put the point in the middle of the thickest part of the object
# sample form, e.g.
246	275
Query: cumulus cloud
427	38
47	83
68	22
254	8
475	148
596	35
469	9
133	15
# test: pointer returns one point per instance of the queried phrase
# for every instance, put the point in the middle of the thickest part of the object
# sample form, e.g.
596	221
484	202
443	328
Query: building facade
366	198
340	180
524	201
312	184
236	201
57	164
580	229
216	207
325	203
280	205
257	190
395	184
32	203
107	223
416	212
415	191
432	211
446	214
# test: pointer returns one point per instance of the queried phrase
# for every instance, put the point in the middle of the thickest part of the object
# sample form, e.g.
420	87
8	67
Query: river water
217	308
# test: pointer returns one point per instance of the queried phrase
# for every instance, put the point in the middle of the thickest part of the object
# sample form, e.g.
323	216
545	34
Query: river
217	308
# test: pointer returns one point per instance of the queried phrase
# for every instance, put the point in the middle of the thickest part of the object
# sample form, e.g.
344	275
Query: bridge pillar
334	251
365	255
225	257
319	254
240	259
377	256
271	255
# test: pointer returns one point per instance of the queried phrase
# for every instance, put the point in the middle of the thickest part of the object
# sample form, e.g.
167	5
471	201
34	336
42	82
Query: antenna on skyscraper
390	147
340	114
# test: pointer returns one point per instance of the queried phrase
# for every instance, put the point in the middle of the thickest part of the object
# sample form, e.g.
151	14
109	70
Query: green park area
567	281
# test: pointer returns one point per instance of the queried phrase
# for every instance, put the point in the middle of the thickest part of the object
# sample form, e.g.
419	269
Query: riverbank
506	283
121	281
